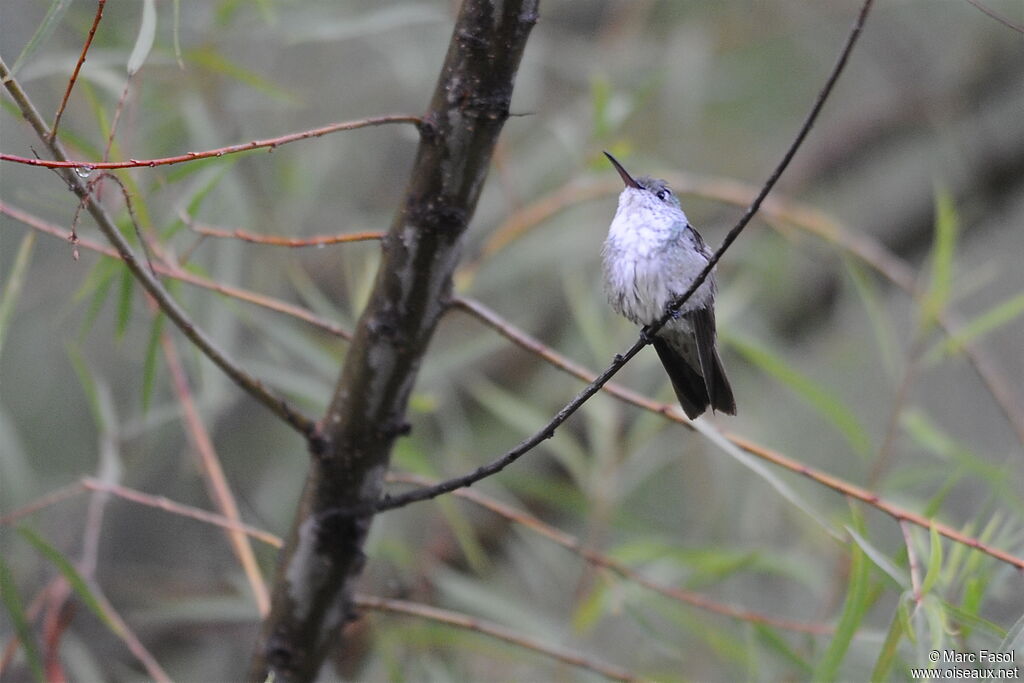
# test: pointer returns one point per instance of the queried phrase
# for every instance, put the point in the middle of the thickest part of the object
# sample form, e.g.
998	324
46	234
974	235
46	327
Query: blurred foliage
832	364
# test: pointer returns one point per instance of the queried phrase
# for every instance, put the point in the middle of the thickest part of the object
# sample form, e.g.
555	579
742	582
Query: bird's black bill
626	178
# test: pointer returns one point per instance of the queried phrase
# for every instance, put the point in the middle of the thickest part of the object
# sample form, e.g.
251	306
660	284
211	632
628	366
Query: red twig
78	67
220	151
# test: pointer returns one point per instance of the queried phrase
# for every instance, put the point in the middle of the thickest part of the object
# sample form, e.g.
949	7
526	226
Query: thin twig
126	634
523	340
278	241
493	630
45	501
574	545
61	161
548	430
213	474
192	512
173	271
254	387
997	16
135	496
78	67
915	569
887	450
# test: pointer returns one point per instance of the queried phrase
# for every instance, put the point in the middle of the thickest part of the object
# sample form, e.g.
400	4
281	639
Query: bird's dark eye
661	194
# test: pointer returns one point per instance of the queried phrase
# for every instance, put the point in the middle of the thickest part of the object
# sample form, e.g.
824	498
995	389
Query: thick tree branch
323	557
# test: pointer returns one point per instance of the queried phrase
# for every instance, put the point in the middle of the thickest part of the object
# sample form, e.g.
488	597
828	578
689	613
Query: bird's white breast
650	258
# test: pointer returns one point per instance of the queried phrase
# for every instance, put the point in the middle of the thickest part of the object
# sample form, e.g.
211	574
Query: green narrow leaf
144	41
591	608
100	280
88	383
43	32
124	303
200	194
973	594
600	95
752	463
934	561
999	315
906	622
854	608
150	366
1014	639
943	248
968	622
74	578
880	560
176	34
518	413
215	62
868	293
12	289
9	595
465	536
818	399
887	656
778	644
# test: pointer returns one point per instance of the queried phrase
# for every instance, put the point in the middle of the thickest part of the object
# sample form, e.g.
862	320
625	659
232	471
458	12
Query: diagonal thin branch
213	475
997	16
465	621
62	161
78	67
548	430
141	498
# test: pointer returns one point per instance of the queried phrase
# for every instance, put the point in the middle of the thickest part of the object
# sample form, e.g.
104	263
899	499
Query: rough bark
323	557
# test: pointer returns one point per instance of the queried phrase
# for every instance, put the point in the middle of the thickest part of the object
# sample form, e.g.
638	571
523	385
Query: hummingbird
651	257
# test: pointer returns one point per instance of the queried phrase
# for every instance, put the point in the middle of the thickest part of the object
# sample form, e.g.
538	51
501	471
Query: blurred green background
832	365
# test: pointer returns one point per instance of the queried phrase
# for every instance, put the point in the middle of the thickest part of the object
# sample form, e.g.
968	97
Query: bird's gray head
650	192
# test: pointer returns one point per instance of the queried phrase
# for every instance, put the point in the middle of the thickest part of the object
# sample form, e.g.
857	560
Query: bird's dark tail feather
695	369
716	383
687	382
